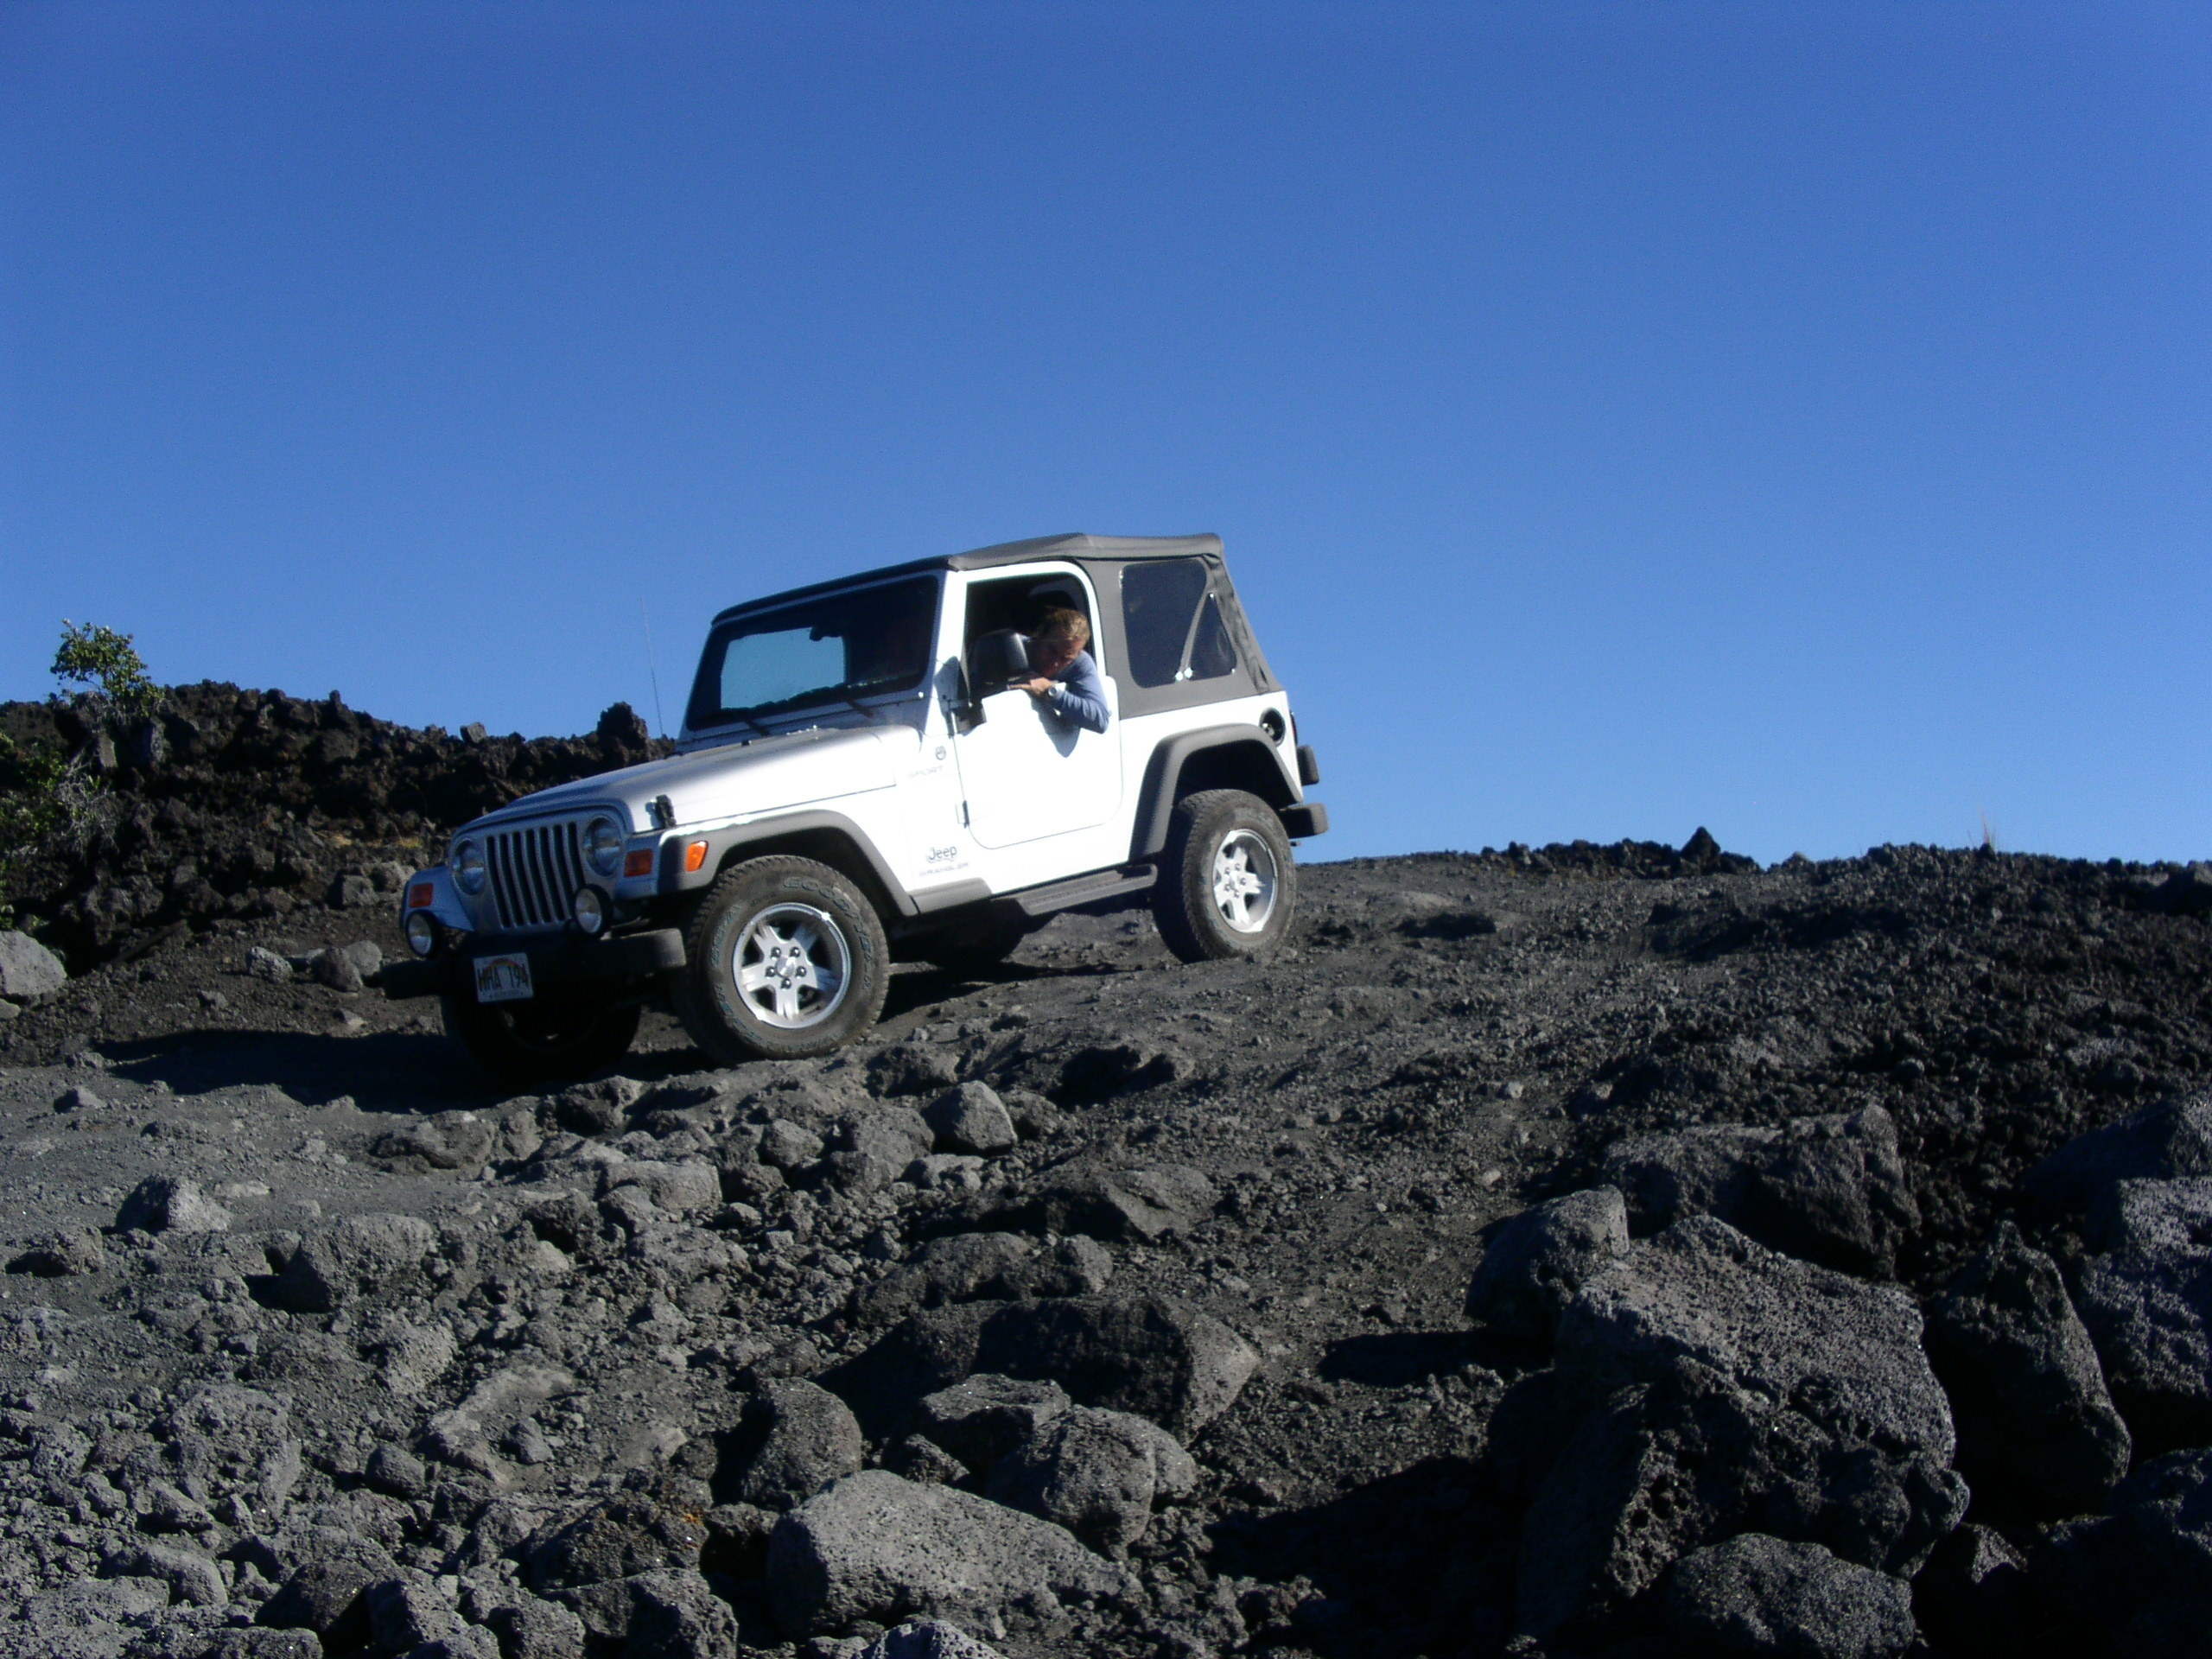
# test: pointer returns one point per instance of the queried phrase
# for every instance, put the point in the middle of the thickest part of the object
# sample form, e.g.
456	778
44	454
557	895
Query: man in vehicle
1066	674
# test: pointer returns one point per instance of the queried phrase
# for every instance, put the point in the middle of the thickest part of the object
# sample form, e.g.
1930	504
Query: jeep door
1028	774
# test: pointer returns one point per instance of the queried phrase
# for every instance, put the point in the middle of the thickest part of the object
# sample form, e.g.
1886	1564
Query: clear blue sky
1789	418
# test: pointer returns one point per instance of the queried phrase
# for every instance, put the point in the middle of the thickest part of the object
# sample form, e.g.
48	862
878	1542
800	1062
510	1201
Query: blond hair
1068	624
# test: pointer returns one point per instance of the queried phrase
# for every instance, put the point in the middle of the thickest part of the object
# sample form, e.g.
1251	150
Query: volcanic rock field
1580	1250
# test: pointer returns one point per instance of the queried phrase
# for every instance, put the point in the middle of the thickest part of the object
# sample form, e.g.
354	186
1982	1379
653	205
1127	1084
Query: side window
1158	602
1019	603
1174	627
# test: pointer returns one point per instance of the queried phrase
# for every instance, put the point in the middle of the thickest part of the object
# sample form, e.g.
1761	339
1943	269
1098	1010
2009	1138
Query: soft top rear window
864	643
1174	625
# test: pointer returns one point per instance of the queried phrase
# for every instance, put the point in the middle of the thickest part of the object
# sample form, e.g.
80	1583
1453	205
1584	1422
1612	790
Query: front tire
1227	886
548	1041
785	959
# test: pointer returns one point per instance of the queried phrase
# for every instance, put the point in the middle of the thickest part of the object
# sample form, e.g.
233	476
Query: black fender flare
1248	752
807	834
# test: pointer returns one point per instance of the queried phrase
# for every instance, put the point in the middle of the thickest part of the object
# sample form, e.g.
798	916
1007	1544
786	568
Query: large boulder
1537	1260
874	1148
227	1440
1715	1387
983	1267
1755	1594
972	1119
927	1638
615	1538
984	1418
542	1630
793	1440
326	1592
405	1613
1097	1473
959	1267
2148	1306
665	1613
170	1204
360	1257
878	1548
85	1620
1973	1598
1143	1205
2037	1433
2162	1143
1703	1294
458	1141
1701	1171
27	970
1830	1189
2138	1579
192	1577
1150	1355
676	1189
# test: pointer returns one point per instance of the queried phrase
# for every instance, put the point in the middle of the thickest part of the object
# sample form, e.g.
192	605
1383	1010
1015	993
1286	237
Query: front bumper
554	964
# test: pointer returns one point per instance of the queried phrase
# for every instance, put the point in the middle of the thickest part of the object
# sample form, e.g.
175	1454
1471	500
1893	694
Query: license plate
502	979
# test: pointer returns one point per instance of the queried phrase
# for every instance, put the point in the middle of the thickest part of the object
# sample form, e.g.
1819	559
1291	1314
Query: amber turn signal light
638	862
695	856
419	896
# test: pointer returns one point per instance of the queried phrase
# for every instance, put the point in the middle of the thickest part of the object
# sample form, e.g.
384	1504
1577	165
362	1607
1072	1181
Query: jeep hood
733	780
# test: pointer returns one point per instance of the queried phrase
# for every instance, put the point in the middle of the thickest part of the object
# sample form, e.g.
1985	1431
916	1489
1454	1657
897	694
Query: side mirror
996	661
963	708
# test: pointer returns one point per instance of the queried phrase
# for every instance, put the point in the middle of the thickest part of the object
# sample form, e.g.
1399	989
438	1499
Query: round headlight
421	933
589	910
468	866
603	845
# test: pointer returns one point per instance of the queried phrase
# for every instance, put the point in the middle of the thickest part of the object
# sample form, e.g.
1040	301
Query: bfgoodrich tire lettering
1227	886
785	959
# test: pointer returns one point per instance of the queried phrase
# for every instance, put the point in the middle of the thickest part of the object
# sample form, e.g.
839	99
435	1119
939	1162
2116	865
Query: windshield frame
864	696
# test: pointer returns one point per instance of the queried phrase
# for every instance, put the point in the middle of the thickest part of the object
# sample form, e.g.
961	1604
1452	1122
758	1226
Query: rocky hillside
232	805
1591	1251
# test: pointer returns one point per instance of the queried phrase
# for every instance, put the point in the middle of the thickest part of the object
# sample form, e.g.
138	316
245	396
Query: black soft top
1075	546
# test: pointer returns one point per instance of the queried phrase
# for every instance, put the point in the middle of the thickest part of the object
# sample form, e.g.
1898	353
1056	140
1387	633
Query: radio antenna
650	669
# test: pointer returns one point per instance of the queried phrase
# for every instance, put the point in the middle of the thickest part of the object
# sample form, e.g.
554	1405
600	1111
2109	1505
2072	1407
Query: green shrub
99	657
52	804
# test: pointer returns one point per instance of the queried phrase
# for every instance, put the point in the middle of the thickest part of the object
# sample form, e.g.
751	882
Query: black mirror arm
962	706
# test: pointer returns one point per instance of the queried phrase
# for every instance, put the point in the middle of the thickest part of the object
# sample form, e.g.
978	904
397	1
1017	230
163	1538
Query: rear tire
1227	888
784	959
549	1041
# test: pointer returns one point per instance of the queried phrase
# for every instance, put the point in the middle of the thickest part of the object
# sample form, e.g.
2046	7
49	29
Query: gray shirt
1078	693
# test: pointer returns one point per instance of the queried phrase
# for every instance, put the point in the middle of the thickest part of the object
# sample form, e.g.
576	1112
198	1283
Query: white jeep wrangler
859	779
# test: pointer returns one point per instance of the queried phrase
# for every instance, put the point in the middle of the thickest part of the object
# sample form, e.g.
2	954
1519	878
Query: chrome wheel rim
792	966
1245	881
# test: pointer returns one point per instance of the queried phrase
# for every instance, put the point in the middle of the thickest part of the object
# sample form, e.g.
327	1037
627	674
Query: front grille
535	872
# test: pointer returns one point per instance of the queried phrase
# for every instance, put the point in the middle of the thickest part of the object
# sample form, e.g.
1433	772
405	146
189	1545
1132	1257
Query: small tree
103	658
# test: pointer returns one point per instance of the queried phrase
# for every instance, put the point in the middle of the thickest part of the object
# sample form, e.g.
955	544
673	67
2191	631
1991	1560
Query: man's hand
1039	687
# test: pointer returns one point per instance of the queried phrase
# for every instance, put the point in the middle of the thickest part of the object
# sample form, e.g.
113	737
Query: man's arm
1081	695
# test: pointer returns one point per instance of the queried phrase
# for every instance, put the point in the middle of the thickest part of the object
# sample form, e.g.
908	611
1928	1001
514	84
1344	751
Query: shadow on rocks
1418	1561
1395	1358
388	1072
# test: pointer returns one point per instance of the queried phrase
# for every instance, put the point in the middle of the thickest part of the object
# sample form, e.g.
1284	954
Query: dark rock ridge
228	804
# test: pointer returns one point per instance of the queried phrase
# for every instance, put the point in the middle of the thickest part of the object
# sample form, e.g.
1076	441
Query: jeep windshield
839	647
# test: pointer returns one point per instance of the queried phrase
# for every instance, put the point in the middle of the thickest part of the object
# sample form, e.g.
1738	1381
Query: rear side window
1174	626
